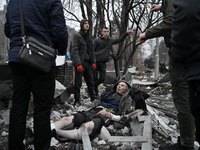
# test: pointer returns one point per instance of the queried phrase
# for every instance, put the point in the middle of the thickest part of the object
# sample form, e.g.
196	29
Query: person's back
39	22
43	20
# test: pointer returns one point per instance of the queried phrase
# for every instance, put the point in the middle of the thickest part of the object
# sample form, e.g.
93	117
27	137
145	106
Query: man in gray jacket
102	46
179	87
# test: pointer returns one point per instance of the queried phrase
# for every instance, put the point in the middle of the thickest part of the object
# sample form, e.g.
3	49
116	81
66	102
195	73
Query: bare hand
155	8
100	107
142	38
130	31
104	114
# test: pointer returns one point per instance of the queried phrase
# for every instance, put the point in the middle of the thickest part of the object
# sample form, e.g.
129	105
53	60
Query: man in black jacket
83	60
185	51
102	46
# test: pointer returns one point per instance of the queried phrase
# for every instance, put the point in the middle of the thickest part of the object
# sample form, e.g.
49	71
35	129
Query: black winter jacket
103	45
185	40
80	49
44	20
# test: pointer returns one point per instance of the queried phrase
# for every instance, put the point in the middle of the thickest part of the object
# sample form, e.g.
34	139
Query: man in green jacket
179	87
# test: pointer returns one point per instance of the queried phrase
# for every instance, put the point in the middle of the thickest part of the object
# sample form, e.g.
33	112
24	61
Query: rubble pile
157	126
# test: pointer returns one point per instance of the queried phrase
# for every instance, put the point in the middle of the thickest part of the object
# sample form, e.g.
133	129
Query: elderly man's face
121	87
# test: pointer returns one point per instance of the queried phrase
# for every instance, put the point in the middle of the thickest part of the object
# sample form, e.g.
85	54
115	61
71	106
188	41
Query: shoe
53	133
77	103
28	133
74	145
176	146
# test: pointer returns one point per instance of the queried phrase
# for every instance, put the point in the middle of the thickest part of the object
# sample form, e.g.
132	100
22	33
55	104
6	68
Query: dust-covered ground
160	100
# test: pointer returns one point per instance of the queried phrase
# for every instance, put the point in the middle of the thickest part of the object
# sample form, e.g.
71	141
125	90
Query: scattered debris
148	130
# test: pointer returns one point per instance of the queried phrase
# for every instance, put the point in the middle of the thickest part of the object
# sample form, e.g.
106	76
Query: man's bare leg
63	122
76	133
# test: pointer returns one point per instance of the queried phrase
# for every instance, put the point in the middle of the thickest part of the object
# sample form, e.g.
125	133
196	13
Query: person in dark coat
44	20
185	51
180	89
83	60
102	47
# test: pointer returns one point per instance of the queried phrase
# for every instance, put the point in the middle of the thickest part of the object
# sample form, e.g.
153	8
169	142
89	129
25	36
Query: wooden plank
161	122
127	139
85	138
147	131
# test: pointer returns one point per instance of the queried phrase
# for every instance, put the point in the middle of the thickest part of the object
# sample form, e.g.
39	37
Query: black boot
176	146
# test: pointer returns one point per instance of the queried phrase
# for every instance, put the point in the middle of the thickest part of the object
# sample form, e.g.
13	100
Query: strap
22	21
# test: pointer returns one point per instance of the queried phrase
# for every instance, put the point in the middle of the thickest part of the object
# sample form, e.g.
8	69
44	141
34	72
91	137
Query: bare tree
121	15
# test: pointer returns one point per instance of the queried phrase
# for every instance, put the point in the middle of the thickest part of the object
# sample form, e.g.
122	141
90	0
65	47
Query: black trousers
88	76
194	99
101	70
26	80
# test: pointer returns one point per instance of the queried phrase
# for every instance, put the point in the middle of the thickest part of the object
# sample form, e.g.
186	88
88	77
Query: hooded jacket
165	27
125	101
85	48
102	46
43	20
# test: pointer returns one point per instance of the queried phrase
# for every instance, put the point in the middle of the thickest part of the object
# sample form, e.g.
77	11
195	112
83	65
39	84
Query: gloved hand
79	68
94	66
68	55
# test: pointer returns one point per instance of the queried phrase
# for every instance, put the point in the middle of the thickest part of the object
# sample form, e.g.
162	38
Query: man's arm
58	27
110	115
7	27
96	44
115	41
75	51
163	28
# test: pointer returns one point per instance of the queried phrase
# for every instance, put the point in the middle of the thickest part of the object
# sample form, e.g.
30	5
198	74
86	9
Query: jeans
42	85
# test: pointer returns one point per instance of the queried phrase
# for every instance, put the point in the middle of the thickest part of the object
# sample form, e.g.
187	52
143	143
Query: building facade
3	39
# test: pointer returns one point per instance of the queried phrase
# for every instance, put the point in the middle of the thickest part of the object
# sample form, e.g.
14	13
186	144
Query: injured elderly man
114	103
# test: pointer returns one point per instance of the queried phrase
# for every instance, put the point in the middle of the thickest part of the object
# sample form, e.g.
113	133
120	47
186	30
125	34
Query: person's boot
176	146
96	92
77	102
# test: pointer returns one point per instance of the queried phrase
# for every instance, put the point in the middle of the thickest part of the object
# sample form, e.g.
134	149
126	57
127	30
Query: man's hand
105	114
155	8
130	31
79	68
142	38
94	66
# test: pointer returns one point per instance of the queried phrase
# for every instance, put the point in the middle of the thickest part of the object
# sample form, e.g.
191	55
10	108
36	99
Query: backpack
70	46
